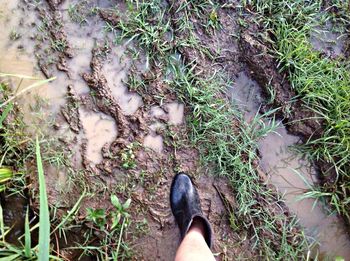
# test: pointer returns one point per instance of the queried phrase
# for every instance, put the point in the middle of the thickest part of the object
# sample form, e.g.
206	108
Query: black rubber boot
185	205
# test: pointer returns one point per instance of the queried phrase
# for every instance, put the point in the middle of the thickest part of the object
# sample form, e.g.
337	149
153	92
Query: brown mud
132	143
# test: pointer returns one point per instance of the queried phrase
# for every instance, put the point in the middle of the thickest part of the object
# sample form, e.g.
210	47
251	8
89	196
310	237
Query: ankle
198	227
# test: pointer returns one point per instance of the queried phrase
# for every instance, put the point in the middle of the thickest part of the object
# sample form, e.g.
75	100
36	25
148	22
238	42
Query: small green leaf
116	218
126	205
213	16
339	258
115	201
5	113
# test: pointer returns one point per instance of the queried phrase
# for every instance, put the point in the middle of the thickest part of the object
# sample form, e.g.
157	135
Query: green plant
75	13
27	252
14	35
120	211
44	216
128	157
5	175
97	216
113	225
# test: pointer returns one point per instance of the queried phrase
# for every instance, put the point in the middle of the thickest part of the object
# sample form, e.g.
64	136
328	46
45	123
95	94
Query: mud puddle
292	175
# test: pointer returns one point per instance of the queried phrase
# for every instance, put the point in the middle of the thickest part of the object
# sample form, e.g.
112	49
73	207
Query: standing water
292	175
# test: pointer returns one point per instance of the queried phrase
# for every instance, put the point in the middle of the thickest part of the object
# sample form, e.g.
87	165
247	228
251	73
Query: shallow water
327	40
99	129
292	175
175	113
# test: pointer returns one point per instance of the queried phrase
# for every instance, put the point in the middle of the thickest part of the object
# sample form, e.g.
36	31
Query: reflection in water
292	175
116	72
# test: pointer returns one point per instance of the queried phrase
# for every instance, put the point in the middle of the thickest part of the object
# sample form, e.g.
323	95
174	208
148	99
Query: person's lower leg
194	247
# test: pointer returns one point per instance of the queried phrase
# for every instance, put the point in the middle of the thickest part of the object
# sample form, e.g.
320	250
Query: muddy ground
130	141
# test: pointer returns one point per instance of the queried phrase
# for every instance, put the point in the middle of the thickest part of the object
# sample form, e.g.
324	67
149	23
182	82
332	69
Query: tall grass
17	150
323	84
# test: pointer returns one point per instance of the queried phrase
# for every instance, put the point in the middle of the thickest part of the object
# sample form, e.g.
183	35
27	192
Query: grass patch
322	83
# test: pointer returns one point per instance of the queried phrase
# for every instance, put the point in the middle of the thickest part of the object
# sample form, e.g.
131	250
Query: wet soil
132	143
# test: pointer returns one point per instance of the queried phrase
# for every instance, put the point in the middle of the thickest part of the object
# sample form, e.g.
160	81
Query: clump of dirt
71	110
54	40
97	82
213	50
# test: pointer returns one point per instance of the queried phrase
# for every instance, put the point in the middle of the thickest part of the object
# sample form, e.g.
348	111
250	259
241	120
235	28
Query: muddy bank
262	67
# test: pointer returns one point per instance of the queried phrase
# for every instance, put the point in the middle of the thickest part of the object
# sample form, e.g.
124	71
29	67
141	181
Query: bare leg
193	247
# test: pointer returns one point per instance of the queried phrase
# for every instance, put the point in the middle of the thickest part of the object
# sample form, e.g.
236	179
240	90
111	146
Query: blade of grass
27	239
5	174
71	212
44	218
2	225
5	113
9	258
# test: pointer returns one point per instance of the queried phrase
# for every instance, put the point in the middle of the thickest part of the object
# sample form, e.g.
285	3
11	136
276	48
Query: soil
154	132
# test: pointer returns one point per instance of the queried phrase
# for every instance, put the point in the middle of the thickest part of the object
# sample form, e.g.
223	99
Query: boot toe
181	186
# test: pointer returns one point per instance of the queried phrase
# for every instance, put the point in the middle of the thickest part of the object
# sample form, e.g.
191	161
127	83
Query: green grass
44	216
226	144
322	83
26	251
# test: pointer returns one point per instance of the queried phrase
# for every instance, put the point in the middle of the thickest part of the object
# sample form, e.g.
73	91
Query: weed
97	216
58	45
14	35
27	252
5	175
75	14
128	157
113	224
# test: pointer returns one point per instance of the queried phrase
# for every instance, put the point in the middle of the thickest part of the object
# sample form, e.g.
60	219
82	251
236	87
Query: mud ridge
263	69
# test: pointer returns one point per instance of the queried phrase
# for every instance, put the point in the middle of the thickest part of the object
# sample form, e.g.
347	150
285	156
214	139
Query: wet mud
131	143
